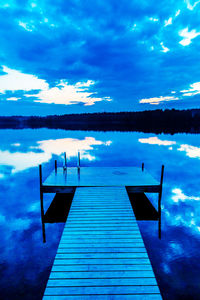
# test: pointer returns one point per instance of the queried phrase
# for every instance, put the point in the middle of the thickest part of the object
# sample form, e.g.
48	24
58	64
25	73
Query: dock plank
101	254
100	176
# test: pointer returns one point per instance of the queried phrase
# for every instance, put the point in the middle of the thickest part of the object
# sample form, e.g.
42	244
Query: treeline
157	121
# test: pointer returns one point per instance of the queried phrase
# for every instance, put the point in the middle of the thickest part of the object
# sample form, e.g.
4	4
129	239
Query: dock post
159	200
142	167
55	166
65	162
79	160
42	205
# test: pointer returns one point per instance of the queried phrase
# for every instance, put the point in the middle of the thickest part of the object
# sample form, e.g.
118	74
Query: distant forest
157	121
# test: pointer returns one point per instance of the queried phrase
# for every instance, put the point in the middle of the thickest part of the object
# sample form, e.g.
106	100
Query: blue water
26	261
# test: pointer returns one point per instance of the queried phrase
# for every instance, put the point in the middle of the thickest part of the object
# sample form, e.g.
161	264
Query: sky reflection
26	261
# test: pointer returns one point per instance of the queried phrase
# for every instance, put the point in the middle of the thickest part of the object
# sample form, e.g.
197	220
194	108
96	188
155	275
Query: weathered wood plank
107	297
53	282
62	249
96	261
102	290
83	268
103	274
101	251
101	255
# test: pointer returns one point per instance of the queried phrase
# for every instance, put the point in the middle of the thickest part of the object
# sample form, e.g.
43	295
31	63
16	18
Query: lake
26	262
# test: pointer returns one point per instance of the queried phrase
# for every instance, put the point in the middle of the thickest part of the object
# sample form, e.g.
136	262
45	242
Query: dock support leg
42	205
79	160
142	167
159	200
56	166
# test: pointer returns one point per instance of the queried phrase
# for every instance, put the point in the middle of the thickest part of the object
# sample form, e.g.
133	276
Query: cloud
193	90
130	51
190	6
64	93
179	196
164	49
156	141
14	80
187	36
157	100
191	151
169	21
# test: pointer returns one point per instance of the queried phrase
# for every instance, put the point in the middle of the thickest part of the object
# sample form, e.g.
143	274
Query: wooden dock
101	254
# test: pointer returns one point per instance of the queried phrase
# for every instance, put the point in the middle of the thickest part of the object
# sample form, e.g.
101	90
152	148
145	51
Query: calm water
26	261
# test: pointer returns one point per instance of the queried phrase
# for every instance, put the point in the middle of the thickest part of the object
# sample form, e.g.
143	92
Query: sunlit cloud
191	151
156	141
187	36
193	90
157	100
179	196
12	99
64	93
14	80
20	161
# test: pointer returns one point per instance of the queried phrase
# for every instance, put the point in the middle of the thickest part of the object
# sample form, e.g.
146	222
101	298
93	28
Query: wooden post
159	199
42	205
79	160
65	162
142	167
55	166
160	190
40	174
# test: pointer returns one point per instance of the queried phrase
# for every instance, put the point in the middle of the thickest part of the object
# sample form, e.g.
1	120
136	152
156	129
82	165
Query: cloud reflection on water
44	150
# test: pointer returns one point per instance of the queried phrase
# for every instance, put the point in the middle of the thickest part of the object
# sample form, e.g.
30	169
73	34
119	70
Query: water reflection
44	150
26	261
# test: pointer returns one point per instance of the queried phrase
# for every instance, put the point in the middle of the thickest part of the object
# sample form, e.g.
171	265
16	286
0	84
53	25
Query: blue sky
83	56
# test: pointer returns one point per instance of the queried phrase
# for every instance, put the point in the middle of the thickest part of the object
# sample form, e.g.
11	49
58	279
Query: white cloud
191	151
190	6
164	49
14	80
179	196
156	141
26	26
154	19
193	90
168	22
177	13
157	100
187	36
65	93
12	99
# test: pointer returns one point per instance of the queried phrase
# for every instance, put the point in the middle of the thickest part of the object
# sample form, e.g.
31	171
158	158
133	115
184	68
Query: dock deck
132	177
101	254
